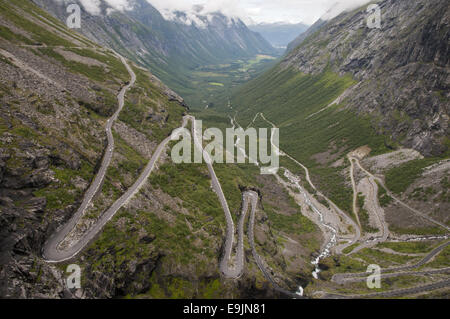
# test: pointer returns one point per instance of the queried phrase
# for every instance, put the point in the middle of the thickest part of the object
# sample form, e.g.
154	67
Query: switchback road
50	251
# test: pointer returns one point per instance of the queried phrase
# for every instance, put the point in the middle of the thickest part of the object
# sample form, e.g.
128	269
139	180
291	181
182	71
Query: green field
211	86
292	101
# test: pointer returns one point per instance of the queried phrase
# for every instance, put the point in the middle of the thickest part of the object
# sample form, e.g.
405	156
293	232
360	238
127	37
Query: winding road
344	216
381	182
236	270
230	267
395	293
373	203
251	235
227	270
341	278
50	251
355	192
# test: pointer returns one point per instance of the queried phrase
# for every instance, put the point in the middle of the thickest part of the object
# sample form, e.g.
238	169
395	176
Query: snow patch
343	6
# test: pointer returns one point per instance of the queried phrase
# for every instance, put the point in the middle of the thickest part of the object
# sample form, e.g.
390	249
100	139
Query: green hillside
292	101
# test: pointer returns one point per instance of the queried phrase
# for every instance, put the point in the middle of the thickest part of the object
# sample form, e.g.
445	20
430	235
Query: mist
250	11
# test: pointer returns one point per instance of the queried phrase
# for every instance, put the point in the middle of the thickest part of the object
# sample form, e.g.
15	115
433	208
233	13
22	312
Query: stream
326	251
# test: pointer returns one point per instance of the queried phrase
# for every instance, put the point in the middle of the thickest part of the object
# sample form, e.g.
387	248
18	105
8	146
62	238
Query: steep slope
401	70
280	34
58	93
172	49
301	37
348	100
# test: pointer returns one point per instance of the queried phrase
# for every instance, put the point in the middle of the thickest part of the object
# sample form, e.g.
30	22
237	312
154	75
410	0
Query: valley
213	85
86	175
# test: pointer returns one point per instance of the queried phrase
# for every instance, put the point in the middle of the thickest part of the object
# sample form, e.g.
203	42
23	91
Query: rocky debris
71	56
22	231
146	238
23	227
32	278
156	118
4	157
381	163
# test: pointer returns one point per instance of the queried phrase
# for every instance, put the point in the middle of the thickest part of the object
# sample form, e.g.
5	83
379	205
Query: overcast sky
293	11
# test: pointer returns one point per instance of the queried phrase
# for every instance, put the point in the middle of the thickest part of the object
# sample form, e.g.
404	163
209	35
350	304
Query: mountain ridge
385	64
279	34
59	95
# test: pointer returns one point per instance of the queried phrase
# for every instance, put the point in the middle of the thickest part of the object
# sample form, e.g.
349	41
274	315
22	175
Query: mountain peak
201	20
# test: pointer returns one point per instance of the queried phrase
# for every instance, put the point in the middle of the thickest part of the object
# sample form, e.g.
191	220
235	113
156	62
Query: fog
250	11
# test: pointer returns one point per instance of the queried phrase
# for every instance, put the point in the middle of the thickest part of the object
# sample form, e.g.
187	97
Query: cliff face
402	69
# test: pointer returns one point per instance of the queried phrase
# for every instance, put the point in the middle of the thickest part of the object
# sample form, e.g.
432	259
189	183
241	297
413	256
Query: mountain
301	37
86	171
346	86
279	34
172	49
57	90
396	77
59	94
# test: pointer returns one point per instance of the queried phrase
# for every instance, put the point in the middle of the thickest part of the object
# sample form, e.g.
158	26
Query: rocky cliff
57	89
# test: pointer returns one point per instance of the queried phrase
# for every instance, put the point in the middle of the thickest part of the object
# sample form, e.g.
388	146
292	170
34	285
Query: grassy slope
398	179
115	247
288	98
64	193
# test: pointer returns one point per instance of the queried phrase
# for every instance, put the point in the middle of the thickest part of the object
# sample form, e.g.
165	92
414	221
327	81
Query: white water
300	291
326	252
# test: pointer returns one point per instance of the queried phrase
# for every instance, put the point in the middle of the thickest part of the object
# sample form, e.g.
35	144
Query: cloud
194	8
343	6
250	11
93	6
120	5
257	11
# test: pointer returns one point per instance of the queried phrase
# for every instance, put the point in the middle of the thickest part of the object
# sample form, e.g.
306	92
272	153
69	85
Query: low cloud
255	11
193	8
93	6
250	11
343	6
